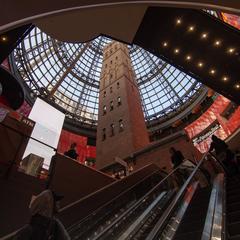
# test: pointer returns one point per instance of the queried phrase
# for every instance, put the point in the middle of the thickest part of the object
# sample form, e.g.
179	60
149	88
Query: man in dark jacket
176	157
72	151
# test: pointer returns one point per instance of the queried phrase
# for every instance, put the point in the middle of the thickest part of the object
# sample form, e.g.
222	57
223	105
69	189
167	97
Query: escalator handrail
214	227
113	199
166	215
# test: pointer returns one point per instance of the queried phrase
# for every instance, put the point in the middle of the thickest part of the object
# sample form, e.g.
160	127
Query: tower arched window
119	102
111	105
121	127
112	130
104	94
118	85
104	109
111	90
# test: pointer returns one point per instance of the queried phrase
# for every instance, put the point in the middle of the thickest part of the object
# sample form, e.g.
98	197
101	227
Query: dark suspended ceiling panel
197	43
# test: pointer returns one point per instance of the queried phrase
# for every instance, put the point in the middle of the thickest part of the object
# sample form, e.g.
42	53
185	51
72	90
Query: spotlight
188	57
165	44
212	71
176	50
217	43
200	64
225	78
237	86
231	50
4	38
204	35
179	21
191	28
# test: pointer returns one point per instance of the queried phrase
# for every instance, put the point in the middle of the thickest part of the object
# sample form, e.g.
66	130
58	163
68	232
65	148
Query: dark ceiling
197	43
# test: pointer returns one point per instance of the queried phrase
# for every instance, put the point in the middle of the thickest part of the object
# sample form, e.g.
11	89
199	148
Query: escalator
131	217
183	205
99	220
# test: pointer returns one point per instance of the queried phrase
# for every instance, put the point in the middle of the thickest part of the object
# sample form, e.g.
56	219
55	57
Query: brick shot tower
121	126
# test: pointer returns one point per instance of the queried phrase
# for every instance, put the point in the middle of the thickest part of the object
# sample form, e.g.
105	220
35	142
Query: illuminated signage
210	131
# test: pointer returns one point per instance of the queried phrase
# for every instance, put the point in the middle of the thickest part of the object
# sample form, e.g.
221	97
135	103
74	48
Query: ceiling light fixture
237	86
204	35
165	44
176	50
3	38
200	64
217	43
188	57
231	50
225	78
191	28
179	21
213	71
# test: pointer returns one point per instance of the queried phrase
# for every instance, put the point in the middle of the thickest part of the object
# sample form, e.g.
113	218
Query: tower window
103	134
112	130
119	102
111	105
111	62
104	94
104	109
110	89
118	85
121	127
105	65
116	57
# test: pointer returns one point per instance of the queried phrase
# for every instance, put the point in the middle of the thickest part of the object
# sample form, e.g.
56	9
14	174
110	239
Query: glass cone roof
69	74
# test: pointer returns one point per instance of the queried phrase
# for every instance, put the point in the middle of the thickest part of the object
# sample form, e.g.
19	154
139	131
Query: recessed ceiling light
231	50
204	35
212	71
200	64
176	50
179	21
225	78
217	43
165	44
3	38
188	57
191	28
237	86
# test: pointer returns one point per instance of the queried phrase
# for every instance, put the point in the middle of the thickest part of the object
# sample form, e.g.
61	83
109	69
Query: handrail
108	202
219	162
24	135
149	192
160	224
214	226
